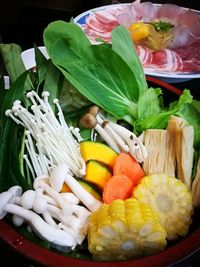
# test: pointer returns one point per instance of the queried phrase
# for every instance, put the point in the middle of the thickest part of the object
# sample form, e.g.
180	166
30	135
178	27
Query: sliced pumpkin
91	188
99	152
97	173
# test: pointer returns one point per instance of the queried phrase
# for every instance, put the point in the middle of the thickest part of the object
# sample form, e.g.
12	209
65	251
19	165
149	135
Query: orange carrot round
117	187
127	165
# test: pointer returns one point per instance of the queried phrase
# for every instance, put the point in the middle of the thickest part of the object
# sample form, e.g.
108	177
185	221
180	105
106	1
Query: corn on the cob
172	201
125	229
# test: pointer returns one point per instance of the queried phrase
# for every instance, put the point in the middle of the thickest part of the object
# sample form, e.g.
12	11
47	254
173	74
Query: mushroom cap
58	175
40	205
5	198
16	190
27	199
17	220
39	179
88	121
94	110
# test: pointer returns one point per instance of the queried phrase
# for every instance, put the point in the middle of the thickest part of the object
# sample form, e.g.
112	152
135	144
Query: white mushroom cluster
53	216
49	141
116	136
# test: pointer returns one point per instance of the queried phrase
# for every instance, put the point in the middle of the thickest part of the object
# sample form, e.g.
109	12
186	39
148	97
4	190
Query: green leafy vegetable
191	113
160	119
2	91
42	65
11	54
111	76
96	77
130	56
10	139
71	100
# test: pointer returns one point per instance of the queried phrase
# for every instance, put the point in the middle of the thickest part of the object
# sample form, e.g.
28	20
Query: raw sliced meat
166	60
102	21
190	56
145	55
191	65
181	55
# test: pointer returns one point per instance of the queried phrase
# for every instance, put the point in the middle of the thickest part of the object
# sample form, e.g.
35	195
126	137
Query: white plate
28	57
165	76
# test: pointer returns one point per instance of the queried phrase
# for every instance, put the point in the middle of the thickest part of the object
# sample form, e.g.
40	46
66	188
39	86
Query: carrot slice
117	187
127	165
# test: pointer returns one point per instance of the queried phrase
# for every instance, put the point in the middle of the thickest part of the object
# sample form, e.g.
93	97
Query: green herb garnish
162	26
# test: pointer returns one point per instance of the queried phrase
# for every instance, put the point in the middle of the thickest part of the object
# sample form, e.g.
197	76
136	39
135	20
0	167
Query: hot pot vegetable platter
99	165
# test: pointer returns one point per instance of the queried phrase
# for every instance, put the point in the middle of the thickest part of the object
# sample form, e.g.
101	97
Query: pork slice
106	18
192	65
166	60
145	55
96	24
190	56
190	51
93	35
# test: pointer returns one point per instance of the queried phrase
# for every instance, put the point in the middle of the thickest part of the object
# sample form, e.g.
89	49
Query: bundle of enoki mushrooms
171	152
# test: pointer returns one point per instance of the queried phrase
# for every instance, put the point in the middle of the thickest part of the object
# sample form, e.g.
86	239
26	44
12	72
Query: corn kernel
171	200
137	223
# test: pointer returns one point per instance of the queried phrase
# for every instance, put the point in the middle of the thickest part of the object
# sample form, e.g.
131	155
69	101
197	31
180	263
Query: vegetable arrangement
83	174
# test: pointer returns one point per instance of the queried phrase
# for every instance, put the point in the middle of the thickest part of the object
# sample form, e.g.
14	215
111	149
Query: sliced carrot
117	187
127	165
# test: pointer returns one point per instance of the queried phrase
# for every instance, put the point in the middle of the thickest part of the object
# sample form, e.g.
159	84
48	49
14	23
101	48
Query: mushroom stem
137	149
90	121
77	226
116	137
56	143
65	206
85	197
48	219
44	230
106	137
60	174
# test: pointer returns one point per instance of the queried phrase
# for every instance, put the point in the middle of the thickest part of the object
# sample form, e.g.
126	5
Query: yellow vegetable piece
125	229
171	200
97	173
91	188
139	31
65	188
99	152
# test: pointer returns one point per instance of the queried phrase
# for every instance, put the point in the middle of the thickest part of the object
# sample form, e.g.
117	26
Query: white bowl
28	56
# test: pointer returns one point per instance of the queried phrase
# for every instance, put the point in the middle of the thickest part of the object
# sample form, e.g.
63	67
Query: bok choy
111	76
